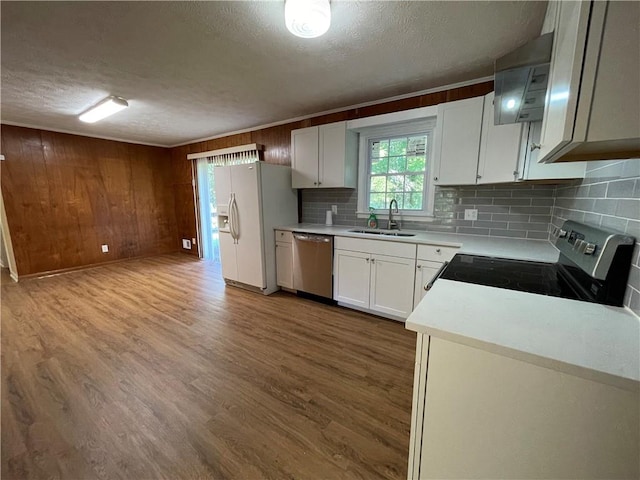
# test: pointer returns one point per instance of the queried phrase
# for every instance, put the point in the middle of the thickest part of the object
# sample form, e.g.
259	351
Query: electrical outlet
193	241
105	248
186	244
334	209
470	214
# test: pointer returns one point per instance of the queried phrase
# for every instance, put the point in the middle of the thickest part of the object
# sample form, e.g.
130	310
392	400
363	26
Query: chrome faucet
393	225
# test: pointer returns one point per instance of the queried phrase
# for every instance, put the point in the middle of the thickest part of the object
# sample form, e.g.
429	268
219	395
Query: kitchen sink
390	233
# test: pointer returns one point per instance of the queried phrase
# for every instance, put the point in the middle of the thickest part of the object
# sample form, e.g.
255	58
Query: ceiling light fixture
307	18
106	107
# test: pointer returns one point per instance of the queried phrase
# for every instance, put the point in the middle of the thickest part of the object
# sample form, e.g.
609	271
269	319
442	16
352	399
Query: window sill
411	217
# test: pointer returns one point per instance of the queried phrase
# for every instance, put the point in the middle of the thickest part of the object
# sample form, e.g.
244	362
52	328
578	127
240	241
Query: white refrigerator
252	199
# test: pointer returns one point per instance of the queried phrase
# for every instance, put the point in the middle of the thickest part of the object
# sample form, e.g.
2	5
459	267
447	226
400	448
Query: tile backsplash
513	210
609	196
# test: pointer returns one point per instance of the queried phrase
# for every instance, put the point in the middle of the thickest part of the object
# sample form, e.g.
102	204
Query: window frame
421	127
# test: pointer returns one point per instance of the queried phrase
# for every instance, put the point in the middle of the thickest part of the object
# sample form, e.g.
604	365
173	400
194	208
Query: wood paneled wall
277	143
66	195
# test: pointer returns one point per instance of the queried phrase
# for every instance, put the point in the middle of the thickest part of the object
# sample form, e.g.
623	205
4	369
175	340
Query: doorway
209	235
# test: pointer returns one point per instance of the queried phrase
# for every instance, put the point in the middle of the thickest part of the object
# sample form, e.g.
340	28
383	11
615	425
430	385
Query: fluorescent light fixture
511	104
106	107
307	18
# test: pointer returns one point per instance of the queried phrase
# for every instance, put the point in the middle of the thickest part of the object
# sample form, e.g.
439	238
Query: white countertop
590	340
537	250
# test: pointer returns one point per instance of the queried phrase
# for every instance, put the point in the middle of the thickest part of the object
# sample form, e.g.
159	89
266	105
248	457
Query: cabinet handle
535	146
419	267
373	260
478	176
367	260
438	250
315	183
435	178
319	183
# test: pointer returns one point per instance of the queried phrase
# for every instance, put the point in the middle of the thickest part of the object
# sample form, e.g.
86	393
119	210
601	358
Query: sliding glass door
208	212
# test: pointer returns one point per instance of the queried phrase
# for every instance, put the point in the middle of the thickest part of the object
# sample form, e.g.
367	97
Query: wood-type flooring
152	368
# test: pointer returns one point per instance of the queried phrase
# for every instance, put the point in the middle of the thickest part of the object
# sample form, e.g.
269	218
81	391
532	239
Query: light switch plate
105	248
470	214
186	244
334	209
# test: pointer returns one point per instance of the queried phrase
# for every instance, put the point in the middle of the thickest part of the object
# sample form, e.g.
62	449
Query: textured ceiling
197	69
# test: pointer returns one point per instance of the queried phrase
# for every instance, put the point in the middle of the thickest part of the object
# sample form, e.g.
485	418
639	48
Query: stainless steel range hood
521	79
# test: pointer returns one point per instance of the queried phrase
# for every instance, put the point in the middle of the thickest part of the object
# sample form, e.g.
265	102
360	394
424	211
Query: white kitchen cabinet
375	276
352	275
391	280
479	414
284	258
500	154
593	99
430	259
284	264
425	272
530	169
500	147
457	142
304	157
324	156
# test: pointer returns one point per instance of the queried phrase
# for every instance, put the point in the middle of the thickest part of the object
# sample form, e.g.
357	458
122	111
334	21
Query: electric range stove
593	266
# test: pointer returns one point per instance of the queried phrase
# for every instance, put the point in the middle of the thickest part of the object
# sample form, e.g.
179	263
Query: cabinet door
533	170
564	77
457	142
284	265
392	281
351	281
499	147
304	158
332	155
425	271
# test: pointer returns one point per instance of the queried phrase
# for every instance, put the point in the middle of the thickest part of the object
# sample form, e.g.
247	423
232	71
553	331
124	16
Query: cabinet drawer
284	236
436	253
380	247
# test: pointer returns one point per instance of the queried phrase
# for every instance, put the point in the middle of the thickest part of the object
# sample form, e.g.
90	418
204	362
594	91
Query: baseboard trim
61	271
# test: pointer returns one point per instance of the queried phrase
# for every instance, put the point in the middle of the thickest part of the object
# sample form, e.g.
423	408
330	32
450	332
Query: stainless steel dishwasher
313	264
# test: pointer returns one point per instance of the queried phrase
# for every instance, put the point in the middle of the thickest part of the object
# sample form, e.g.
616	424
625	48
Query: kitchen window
394	164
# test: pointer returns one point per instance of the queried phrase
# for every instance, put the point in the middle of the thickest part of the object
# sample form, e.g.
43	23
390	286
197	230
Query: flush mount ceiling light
307	18
106	107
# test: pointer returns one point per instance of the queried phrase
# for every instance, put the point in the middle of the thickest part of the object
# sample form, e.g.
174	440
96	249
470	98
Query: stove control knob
579	245
562	233
590	248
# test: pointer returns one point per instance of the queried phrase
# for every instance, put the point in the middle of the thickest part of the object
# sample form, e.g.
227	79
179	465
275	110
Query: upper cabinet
593	98
324	157
469	149
457	142
500	147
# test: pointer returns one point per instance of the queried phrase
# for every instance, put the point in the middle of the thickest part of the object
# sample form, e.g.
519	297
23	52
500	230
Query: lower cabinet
479	414
284	265
284	259
425	272
431	258
372	281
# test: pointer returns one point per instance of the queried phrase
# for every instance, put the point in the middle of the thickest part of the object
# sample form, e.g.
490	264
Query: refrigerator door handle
230	219
235	218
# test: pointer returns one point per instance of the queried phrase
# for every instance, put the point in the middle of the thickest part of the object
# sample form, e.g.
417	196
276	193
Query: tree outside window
397	169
